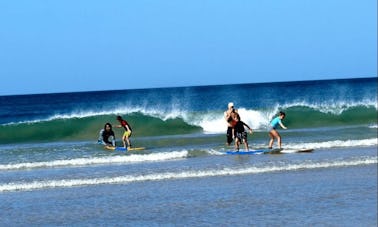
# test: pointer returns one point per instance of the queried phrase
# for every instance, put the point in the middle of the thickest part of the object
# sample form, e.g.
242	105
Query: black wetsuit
106	135
240	132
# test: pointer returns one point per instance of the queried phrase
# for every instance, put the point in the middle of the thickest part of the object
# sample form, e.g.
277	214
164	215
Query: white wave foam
215	152
134	158
215	123
164	114
334	144
35	185
331	106
211	122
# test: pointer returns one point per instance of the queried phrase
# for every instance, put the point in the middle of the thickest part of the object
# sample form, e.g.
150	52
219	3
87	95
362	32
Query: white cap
230	104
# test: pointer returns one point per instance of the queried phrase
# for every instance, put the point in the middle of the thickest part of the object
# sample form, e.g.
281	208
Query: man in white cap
229	117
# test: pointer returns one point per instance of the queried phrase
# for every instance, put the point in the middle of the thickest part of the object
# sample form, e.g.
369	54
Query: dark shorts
242	136
229	135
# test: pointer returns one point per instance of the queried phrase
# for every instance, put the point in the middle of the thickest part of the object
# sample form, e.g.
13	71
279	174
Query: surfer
128	131
239	133
229	116
106	136
273	133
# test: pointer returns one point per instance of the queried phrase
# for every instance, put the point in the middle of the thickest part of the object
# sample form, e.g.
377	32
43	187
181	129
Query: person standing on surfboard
106	136
229	116
239	133
273	133
128	131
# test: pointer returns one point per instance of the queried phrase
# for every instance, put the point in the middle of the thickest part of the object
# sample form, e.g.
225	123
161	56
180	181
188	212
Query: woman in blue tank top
273	133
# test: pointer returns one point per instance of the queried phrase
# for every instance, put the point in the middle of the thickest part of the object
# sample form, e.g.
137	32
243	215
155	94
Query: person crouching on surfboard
128	131
106	136
239	132
273	133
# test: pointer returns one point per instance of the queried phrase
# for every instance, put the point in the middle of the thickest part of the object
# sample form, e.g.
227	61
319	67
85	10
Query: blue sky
49	46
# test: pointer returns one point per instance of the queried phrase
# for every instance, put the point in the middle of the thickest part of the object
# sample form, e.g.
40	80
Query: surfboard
303	150
271	151
306	150
124	149
251	152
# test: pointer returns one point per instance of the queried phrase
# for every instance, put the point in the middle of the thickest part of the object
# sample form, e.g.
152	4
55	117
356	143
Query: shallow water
335	187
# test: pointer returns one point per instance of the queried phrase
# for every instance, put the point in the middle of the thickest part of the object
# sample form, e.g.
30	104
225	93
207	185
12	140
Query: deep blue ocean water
52	172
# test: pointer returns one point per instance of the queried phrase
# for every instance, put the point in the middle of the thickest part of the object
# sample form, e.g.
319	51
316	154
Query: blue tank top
274	123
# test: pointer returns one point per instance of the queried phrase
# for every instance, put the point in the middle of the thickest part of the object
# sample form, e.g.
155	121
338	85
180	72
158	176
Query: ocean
53	172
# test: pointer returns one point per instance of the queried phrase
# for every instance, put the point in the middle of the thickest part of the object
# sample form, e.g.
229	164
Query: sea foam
126	179
129	159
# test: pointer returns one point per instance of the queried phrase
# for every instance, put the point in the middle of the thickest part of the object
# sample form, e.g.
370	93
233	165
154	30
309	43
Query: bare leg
128	141
271	135
246	145
279	140
124	141
237	143
274	134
